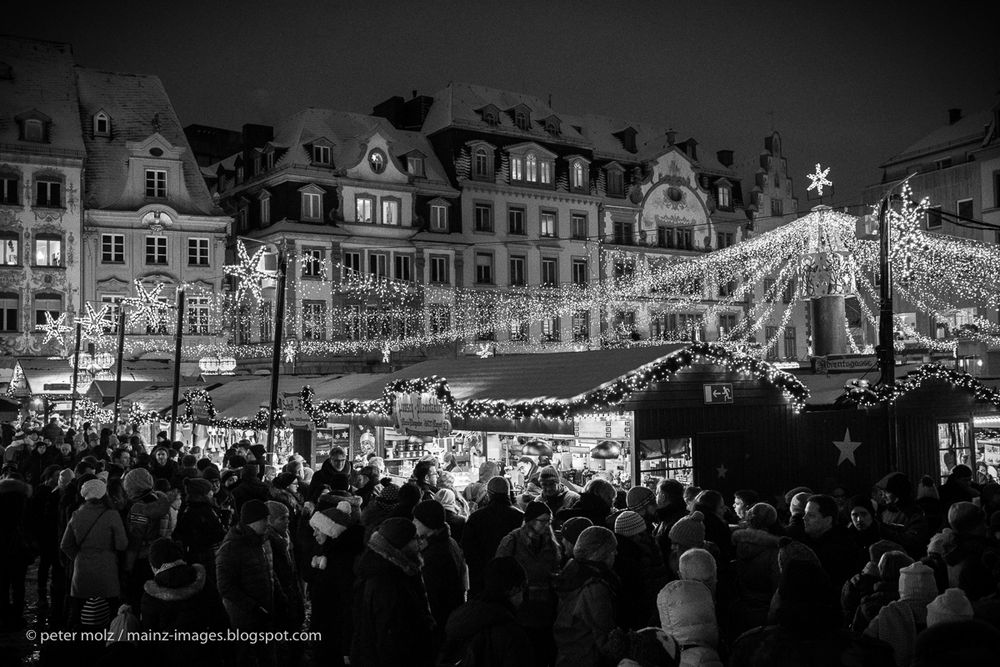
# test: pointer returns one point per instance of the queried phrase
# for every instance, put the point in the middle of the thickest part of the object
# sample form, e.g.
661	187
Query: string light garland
870	396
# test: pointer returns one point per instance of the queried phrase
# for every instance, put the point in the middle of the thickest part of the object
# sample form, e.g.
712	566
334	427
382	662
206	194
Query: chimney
413	93
671	137
725	158
954	115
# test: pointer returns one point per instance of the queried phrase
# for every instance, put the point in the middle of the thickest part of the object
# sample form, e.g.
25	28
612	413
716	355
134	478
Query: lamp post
279	326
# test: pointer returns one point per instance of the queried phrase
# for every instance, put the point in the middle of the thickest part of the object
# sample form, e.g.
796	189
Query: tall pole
118	370
179	336
76	371
886	343
279	326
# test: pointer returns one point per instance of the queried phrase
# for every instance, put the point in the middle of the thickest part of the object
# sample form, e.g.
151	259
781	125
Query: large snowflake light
147	306
818	180
247	272
55	328
94	323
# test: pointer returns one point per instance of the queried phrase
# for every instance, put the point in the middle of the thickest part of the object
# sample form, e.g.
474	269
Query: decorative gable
157	146
102	124
521	115
552	125
531	147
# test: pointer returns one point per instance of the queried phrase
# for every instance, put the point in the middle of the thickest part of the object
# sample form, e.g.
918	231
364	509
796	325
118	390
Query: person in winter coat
837	552
534	547
585	628
886	589
338	541
453	514
687	613
393	621
670	508
808	628
286	573
43	527
756	566
863	583
903	521
94	537
900	622
446	576
425	476
713	507
380	509
44	455
336	464
180	598
244	571
161	466
16	551
485	632
554	494
249	487
486	527
199	529
146	516
865	528
475	494
639	568
957	488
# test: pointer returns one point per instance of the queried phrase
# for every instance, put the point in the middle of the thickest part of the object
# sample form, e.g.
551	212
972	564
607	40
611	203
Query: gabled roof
139	108
968	131
348	132
42	79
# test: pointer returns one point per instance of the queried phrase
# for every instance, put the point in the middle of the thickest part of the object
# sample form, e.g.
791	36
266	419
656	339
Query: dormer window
102	124
415	165
552	126
265	207
576	175
269	160
723	194
627	137
522	120
482	163
34	126
530	168
490	115
377	160
616	182
34	130
321	155
156	183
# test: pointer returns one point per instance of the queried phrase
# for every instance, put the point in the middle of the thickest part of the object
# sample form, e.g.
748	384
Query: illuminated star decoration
818	180
289	352
147	305
386	354
94	322
55	328
846	447
247	272
722	470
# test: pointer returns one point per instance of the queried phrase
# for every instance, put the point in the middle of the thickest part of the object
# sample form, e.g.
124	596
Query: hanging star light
147	306
55	328
94	322
818	180
247	272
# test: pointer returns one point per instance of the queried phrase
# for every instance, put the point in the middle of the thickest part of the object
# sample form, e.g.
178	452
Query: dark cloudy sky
849	83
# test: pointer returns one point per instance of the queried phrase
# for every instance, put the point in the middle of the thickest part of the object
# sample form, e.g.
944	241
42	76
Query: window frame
386	203
972	207
321	154
520	213
790	343
264	202
521	272
317	326
477	226
47	239
616	178
548	265
10	188
157	187
399	262
479	277
117	244
933	213
6	237
439	218
415	166
99	117
350	265
307	209
575	228
10	316
580	331
438	272
378	264
199	244
36	124
313	263
551	329
486	172
156	250
360	199
577	176
544	231
580	271
724	197
56	297
48	184
198	315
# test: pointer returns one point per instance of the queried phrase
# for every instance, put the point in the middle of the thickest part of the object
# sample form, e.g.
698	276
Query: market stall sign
844	364
420	414
199	410
718	393
603	429
293	410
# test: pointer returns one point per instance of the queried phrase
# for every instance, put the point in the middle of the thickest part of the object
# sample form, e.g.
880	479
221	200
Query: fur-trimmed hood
175	584
381	546
15	487
750	542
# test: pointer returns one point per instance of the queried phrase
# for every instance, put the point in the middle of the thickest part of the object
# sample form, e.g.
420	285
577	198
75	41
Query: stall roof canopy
40	377
242	396
826	389
523	377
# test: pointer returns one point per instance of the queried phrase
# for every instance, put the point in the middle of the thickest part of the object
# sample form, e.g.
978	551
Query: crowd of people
161	538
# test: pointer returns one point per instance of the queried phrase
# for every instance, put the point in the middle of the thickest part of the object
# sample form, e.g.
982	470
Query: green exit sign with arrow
718	393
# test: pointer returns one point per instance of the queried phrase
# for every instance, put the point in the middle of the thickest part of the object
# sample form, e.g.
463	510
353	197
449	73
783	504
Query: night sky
848	84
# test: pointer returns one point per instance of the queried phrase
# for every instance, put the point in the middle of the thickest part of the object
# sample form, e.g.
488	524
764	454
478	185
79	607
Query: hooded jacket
92	540
483	532
757	572
393	622
585	621
485	633
245	579
687	613
475	494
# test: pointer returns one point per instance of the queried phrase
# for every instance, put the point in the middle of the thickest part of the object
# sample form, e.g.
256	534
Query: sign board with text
719	393
420	415
619	428
295	414
844	364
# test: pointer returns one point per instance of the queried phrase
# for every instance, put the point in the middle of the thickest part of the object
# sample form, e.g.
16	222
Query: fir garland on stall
867	396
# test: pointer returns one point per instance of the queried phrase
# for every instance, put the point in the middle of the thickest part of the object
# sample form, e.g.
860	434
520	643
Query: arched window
102	124
481	163
531	168
577	175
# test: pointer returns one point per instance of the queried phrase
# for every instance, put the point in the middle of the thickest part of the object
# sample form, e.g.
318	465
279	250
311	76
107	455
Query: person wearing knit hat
941	543
588	594
554	493
490	523
276	510
569	532
392	623
65	477
137	483
535	547
966	518
164	553
629	524
797	509
331	523
211	473
638	497
430	513
94	489
388	495
952	605
197	488
253	513
926	489
688	533
698	565
790	550
899	622
445	574
453	514
498	486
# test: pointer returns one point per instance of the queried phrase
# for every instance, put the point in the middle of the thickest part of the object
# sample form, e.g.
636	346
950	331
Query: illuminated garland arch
867	397
612	394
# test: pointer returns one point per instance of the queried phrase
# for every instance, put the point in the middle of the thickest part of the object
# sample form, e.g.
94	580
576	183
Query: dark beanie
253	510
250	470
409	494
498	486
189	461
237	462
283	480
340	482
430	513
397	531
203	464
534	510
862	500
197	487
164	550
501	575
210	473
572	528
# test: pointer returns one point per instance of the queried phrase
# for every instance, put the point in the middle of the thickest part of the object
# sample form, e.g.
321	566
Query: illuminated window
415	165
48	250
313	320
545	171
198	313
10	246
581	325
516	168
576	175
724	195
531	168
550	329
313	261
390	212
363	207
547	224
